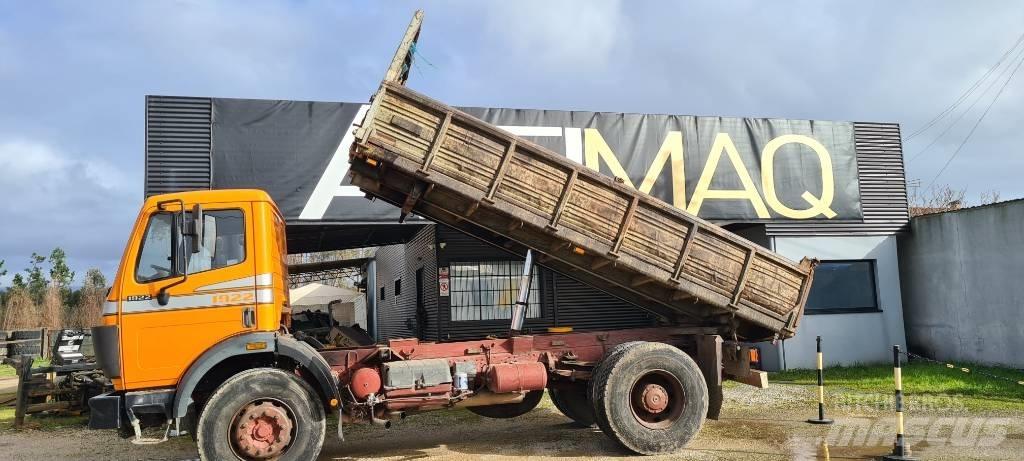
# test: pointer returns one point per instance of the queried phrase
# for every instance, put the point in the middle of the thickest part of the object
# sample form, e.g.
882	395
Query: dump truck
195	332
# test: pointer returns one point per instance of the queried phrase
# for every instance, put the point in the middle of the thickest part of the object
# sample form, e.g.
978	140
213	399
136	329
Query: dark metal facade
883	188
178	144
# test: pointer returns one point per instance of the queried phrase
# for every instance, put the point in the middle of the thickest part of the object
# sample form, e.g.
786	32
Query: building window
381	293
398	287
488	290
843	286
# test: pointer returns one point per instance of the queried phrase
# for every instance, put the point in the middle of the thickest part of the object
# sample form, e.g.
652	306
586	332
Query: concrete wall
848	338
962	284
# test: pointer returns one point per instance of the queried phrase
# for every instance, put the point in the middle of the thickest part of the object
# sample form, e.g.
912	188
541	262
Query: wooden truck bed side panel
439	161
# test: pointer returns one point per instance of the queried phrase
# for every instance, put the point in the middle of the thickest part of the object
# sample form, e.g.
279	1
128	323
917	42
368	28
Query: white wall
847	338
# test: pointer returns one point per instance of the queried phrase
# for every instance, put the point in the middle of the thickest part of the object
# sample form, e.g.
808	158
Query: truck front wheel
262	414
649	397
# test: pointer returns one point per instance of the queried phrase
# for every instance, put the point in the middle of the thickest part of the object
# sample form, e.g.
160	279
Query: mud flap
709	359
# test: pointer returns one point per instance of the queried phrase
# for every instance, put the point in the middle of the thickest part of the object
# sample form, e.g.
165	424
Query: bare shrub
51	312
89	311
19	310
942	198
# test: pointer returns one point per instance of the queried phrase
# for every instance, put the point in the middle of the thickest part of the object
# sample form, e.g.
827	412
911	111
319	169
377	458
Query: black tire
572	401
608	358
510	410
262	385
621	386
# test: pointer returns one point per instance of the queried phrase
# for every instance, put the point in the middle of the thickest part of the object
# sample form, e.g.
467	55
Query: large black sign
735	169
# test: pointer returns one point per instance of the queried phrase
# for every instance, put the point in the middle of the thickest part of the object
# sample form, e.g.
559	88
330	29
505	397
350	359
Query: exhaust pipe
385	423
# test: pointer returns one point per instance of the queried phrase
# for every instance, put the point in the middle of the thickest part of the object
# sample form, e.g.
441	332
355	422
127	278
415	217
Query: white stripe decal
109	307
264	280
264	296
191	302
236	283
244	282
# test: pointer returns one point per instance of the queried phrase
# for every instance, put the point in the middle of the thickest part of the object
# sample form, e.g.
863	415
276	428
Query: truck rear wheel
510	410
649	397
572	402
262	414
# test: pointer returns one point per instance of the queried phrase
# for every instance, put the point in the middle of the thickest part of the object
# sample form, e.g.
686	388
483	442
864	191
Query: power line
981	96
963	96
975	127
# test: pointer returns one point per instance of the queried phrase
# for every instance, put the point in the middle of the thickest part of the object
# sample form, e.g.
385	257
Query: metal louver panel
883	189
178	143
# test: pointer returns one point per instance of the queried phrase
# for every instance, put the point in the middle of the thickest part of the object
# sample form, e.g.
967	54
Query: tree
61	275
94	278
36	280
18	282
3	271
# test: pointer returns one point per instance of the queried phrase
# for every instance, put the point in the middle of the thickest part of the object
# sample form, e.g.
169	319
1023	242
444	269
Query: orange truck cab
200	294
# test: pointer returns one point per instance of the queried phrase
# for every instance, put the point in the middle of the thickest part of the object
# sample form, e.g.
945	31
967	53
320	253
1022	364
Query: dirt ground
755	425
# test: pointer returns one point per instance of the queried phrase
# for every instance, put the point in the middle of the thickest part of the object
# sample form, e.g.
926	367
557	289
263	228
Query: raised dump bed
446	165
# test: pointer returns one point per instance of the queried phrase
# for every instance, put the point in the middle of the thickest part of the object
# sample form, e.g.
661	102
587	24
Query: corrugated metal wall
883	188
179	133
396	314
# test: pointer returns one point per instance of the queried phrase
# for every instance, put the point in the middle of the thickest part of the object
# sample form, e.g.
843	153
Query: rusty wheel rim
657	399
262	430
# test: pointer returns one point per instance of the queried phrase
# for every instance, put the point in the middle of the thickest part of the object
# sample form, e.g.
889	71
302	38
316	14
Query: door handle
248	317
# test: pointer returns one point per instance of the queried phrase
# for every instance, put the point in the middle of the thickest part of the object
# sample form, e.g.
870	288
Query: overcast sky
73	77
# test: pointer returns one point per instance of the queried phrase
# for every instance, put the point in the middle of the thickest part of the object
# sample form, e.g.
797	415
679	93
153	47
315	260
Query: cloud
561	36
55	199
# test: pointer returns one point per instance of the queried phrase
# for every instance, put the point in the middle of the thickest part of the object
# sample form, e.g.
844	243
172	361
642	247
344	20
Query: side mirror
197	228
162	297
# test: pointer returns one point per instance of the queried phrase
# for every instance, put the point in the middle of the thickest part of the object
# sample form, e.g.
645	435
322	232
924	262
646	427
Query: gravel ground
755	425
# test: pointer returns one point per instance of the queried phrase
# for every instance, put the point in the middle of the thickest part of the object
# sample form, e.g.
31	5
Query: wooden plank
435	145
743	276
48	406
627	221
566	191
24	369
756	378
684	252
500	172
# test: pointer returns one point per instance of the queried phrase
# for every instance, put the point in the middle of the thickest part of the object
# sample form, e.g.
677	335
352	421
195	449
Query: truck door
216	299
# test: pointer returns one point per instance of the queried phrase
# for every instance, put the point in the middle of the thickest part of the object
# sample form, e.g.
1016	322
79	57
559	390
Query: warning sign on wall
442	281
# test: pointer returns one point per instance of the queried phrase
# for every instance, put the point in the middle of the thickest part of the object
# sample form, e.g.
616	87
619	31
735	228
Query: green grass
41	421
972	390
8	371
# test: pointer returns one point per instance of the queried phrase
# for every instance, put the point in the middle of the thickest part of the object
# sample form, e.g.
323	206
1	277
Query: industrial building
831	190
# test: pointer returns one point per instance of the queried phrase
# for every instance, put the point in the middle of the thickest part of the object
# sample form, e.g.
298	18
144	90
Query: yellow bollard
900	452
821	391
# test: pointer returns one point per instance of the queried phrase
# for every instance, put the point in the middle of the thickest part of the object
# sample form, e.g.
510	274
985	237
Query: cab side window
223	241
156	259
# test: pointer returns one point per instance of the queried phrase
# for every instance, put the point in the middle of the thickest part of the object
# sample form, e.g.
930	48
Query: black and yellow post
900	452
821	391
